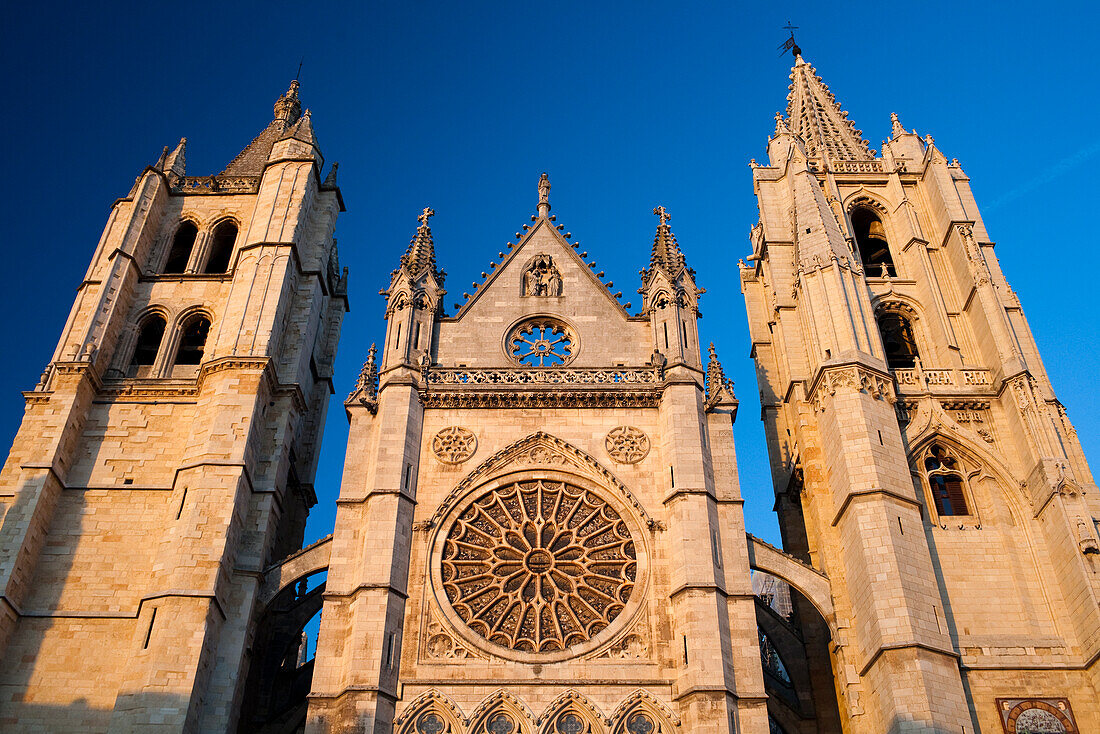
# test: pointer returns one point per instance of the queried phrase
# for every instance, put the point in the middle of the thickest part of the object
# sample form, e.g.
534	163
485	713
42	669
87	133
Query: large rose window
538	566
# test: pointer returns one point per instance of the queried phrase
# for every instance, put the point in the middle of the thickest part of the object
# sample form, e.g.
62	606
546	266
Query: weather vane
789	44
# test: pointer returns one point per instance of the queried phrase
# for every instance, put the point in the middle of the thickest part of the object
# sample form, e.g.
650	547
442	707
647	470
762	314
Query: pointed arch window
150	335
193	340
221	247
898	340
945	482
182	244
773	664
874	251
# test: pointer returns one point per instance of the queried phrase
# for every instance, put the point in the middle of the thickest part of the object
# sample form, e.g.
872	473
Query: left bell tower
167	454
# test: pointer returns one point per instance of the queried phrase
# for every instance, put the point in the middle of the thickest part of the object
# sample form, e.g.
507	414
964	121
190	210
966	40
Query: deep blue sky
461	105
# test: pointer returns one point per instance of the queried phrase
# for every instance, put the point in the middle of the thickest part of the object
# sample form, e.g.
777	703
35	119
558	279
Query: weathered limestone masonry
920	458
167	453
540	525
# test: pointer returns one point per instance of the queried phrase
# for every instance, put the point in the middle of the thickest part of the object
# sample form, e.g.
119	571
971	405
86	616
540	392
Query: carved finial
366	387
287	107
895	124
780	124
719	389
661	212
425	215
544	195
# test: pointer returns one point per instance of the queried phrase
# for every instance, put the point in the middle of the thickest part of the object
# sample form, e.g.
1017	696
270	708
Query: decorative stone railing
941	378
216	185
869	166
459	376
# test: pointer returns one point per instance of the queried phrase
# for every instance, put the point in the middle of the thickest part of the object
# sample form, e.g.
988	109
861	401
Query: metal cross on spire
661	212
425	215
789	44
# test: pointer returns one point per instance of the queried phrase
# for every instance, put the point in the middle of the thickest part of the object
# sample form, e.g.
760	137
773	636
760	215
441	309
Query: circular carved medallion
538	566
454	445
627	444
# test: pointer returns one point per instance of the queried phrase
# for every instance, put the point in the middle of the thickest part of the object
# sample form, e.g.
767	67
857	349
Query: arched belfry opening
150	335
874	251
221	248
899	340
182	244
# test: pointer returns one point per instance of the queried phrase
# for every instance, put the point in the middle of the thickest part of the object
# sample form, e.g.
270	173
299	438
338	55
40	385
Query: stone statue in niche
542	277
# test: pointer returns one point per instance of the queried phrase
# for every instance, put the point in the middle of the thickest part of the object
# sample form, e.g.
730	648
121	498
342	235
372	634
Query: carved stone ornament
542	277
538	566
627	444
454	445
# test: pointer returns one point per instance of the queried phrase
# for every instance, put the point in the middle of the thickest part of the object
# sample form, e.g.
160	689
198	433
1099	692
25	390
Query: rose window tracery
454	445
538	566
541	343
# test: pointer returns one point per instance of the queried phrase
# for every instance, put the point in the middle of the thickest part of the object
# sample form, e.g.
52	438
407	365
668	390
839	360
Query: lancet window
946	483
871	242
182	244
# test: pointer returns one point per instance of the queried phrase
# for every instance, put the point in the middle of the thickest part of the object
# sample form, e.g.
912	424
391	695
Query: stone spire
666	251
814	115
420	257
287	116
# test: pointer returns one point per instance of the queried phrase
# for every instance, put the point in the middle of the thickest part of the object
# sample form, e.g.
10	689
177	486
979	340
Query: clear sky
627	105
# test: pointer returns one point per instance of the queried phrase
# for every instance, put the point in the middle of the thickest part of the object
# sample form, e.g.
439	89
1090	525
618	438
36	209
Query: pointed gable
814	115
544	275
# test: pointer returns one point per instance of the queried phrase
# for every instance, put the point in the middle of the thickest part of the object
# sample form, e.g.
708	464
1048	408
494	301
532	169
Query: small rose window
541	342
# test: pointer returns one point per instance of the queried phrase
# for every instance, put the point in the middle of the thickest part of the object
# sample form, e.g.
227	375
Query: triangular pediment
577	280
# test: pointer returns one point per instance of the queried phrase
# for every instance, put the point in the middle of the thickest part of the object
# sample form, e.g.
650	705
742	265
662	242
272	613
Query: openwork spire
666	251
420	257
814	115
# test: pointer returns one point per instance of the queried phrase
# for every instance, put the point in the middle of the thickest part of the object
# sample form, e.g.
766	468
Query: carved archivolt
454	445
539	450
539	566
627	444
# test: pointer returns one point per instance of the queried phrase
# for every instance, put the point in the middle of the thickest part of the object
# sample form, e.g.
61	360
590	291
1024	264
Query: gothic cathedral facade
539	529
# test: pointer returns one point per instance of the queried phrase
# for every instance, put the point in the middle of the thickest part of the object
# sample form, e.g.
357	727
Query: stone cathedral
540	528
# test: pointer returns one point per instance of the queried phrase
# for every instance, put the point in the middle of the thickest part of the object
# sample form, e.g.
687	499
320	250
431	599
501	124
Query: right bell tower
920	458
